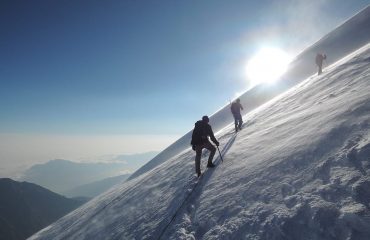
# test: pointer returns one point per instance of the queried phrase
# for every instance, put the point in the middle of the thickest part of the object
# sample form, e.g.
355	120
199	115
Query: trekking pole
220	154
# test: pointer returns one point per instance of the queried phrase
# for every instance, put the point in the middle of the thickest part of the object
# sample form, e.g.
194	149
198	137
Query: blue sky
140	67
119	67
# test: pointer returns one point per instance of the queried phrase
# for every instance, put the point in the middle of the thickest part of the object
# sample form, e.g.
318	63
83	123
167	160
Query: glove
193	147
217	143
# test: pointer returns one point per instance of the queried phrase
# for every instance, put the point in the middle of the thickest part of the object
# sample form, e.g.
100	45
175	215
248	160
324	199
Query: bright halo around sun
267	65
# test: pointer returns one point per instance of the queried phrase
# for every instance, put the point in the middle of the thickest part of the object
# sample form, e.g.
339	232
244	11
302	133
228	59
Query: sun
267	65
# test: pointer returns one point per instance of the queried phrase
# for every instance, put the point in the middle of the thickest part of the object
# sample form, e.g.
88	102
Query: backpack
234	108
199	133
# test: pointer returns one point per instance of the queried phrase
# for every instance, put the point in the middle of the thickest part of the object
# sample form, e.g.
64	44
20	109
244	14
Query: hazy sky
108	70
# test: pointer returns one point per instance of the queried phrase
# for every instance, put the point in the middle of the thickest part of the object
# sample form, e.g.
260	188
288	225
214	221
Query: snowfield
299	169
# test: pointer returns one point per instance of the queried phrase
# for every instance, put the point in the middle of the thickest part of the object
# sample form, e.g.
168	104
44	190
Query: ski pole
220	154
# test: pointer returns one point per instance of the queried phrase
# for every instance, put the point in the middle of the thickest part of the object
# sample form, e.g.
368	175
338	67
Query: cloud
20	151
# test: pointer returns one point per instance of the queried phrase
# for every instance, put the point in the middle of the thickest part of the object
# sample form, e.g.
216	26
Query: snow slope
300	169
346	38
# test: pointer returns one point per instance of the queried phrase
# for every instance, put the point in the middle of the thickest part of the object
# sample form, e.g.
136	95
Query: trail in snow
203	179
187	206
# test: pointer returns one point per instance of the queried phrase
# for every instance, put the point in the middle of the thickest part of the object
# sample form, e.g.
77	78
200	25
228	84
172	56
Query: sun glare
267	65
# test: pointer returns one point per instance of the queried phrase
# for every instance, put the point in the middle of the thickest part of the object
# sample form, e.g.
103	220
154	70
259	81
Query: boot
210	165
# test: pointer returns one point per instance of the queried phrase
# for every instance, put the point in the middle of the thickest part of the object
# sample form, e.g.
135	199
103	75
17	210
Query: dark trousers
238	121
319	71
198	156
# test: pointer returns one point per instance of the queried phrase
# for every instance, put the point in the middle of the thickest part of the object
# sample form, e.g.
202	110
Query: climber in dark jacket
235	110
199	140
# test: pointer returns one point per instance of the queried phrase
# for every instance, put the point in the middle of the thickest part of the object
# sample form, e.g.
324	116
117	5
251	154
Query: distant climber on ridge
319	60
235	110
199	140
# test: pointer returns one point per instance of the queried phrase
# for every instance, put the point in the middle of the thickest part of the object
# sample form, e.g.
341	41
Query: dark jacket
201	132
319	59
235	108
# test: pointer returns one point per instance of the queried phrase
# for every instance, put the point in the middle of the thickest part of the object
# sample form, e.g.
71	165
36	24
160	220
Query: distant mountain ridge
62	176
26	208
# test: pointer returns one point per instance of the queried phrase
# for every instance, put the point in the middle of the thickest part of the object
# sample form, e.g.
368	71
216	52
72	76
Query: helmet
205	119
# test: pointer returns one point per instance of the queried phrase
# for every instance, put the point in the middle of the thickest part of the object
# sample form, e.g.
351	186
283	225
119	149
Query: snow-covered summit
300	169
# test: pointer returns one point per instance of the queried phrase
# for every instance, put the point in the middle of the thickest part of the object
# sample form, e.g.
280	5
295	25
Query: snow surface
300	169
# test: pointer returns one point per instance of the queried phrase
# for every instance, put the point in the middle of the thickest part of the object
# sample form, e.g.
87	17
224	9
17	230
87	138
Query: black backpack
234	108
199	133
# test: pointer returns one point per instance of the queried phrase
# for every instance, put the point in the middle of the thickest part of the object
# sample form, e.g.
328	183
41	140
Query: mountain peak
27	208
